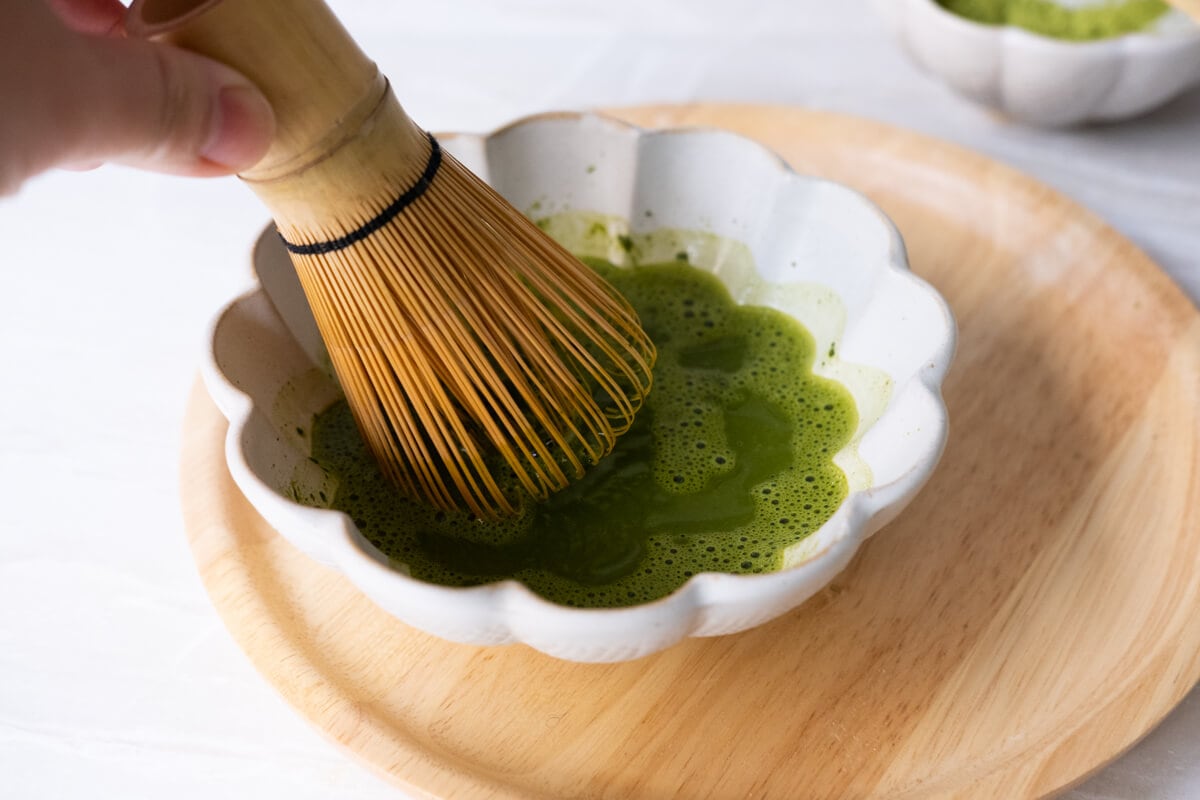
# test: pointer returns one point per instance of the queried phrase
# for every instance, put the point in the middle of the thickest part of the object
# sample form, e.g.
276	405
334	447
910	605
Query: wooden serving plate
1025	621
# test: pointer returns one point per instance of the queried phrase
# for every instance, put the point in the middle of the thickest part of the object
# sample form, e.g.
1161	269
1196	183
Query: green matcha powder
1103	20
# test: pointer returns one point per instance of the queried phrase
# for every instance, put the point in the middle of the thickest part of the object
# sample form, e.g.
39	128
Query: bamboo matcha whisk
459	332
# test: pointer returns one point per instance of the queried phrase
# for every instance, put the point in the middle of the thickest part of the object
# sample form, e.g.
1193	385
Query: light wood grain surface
117	677
1025	621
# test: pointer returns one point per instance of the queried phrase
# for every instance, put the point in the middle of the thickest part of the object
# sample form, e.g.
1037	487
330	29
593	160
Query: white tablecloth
117	678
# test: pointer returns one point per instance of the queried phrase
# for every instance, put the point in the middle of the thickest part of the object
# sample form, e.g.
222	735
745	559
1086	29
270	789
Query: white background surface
117	678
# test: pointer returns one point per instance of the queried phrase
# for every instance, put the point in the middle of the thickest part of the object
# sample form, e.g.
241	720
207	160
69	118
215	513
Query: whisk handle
319	82
343	145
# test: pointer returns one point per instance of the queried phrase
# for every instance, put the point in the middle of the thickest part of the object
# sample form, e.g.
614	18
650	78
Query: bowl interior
812	249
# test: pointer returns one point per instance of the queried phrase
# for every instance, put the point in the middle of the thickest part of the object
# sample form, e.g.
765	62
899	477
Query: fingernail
242	128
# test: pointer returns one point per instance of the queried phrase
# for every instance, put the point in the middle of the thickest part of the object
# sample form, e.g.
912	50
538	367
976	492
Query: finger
81	166
77	99
99	17
158	107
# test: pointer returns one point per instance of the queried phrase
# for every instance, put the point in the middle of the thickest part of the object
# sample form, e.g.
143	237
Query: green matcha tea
728	464
1101	20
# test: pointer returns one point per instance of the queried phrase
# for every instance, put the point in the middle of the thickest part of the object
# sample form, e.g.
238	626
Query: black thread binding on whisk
380	219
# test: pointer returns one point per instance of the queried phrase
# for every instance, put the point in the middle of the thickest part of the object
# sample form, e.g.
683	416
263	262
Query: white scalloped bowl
811	248
1045	81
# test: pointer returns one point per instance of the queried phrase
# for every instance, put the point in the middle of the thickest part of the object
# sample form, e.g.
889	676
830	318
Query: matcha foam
729	463
1089	22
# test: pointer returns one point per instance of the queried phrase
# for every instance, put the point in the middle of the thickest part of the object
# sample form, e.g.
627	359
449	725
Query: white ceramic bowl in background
1045	81
781	239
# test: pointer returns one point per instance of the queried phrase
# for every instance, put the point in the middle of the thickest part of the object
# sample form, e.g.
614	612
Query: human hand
75	92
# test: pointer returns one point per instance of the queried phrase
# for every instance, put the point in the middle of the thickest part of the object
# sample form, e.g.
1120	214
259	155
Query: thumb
158	107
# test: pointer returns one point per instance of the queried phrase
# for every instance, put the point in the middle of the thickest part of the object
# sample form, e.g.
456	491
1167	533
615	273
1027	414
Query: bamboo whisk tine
467	334
473	350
